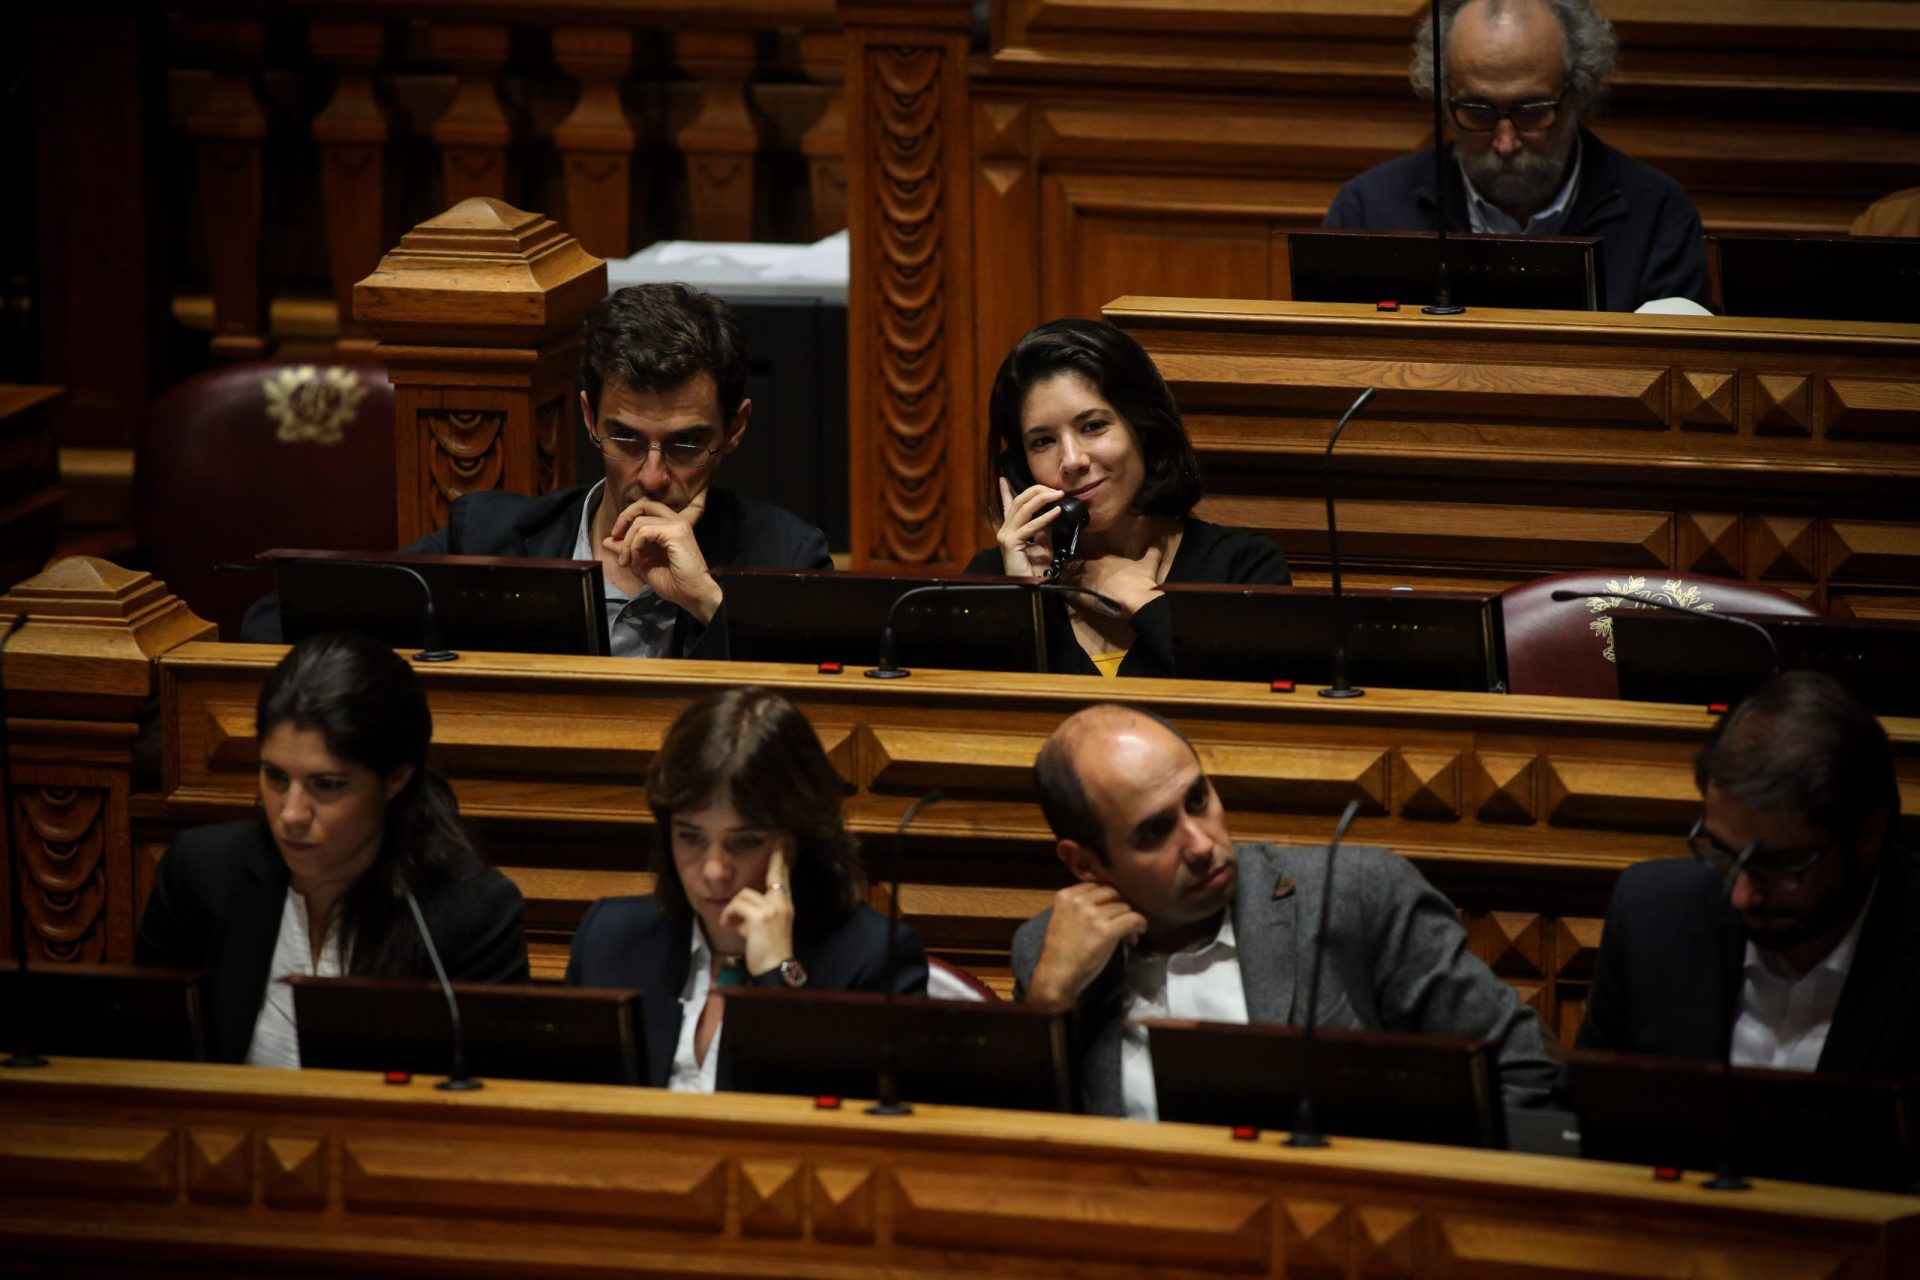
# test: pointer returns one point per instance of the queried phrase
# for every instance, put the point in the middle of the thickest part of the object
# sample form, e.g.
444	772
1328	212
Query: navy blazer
1672	964
630	942
218	898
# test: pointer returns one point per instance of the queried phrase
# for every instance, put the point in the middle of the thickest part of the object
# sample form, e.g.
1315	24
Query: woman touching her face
1079	410
757	881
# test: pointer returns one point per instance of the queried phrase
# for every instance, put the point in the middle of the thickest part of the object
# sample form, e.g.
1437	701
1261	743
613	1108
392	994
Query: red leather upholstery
1566	648
257	455
946	981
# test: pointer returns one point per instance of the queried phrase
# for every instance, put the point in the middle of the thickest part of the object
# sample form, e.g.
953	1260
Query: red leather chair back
257	455
1566	648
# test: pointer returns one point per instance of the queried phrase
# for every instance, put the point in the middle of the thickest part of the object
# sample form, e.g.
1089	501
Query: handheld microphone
1339	686
889	667
23	1054
1306	1131
1773	649
1443	304
457	1081
1066	532
886	1090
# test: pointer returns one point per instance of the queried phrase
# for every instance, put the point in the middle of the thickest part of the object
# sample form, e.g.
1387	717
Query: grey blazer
1396	960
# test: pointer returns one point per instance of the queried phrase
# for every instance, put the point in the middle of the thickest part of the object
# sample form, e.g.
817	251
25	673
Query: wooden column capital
723	143
597	139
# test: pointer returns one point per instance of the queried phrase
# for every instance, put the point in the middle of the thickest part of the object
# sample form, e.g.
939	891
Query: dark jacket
1672	964
1208	553
1652	240
218	898
630	942
733	532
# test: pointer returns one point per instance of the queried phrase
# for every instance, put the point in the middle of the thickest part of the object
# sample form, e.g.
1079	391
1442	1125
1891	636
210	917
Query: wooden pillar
596	140
722	143
30	492
474	133
352	133
823	57
229	129
80	680
913	438
479	317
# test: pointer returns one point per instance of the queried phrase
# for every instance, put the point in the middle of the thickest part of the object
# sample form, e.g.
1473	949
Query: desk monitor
1395	639
810	615
106	1011
958	1052
514	1031
1855	1131
1366	1084
488	603
1818	277
1538	273
1663	657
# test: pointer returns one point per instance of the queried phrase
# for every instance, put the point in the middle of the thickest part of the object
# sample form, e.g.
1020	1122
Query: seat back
1566	647
948	981
257	455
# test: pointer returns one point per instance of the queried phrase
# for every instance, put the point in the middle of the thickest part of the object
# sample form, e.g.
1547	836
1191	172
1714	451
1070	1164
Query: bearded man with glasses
1521	77
1799	891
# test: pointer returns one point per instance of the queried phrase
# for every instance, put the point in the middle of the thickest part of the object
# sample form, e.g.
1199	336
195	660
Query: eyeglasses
1525	117
681	455
1781	867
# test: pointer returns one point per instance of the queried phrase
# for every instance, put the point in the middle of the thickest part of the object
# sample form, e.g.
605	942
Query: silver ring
777	888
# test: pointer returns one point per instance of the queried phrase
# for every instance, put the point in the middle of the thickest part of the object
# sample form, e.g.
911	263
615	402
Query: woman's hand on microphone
764	917
1026	545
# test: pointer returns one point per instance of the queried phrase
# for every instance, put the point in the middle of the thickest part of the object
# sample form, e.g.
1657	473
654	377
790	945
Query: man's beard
1525	180
1783	931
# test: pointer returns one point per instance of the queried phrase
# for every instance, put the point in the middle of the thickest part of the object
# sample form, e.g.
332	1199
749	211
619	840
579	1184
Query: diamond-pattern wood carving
1875	549
1576	946
842	1203
1504	787
1427	784
219	1166
1871	408
293	1172
1782	404
112	1162
1513	943
770	1197
1000	131
1387	1242
1710	542
1706	400
1783	547
843	749
1315	1239
1616	793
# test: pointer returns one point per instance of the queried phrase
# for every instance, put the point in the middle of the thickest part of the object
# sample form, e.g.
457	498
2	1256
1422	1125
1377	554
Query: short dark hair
1063	796
752	748
1802	744
654	337
1124	374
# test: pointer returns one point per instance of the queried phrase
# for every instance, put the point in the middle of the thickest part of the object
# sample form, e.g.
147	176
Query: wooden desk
105	1166
1522	809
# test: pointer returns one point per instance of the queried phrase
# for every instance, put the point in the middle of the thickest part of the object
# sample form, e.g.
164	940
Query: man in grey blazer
1169	918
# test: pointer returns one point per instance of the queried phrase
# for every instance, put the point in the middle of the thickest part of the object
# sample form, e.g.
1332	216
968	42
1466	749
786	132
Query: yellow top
1109	663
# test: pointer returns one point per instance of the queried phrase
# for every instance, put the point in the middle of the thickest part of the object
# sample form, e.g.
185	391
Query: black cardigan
1208	553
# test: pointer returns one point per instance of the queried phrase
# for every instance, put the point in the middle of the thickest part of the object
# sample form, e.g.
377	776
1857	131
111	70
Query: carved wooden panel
473	133
722	143
230	129
467	455
597	139
352	133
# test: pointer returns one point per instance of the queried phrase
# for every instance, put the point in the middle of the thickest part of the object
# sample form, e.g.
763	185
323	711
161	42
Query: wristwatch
788	973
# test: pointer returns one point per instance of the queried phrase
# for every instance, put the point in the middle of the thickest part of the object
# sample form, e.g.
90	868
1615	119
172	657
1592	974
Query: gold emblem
1674	591
311	407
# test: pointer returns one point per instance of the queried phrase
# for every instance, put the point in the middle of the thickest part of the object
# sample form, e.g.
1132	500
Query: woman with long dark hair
757	880
1079	410
352	818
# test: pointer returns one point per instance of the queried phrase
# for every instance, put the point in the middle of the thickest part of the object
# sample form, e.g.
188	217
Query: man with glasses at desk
1799	891
1521	76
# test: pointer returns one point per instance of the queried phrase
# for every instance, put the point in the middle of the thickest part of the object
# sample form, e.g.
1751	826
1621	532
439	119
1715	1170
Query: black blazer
629	942
1208	553
1670	970
734	532
217	902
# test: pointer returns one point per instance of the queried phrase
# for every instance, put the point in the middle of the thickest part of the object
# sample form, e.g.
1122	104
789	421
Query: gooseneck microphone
889	667
432	649
1066	534
1773	649
1306	1130
23	1054
886	1091
1443	304
1726	1176
1338	686
457	1081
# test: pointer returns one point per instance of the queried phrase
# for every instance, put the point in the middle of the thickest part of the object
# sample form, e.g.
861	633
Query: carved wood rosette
352	133
229	129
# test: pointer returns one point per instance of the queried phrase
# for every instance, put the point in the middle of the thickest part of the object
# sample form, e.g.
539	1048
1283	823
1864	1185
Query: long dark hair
368	707
751	747
1126	378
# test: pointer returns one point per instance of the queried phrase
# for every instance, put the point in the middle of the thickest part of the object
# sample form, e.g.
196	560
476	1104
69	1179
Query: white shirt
276	1040
639	626
1784	1015
1487	218
687	1075
1201	982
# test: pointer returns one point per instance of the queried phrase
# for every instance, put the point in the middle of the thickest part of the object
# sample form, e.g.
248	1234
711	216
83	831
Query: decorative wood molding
229	129
474	133
723	142
353	132
597	139
824	144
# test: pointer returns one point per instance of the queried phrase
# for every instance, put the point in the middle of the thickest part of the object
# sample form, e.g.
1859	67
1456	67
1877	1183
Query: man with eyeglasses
1795	927
1521	77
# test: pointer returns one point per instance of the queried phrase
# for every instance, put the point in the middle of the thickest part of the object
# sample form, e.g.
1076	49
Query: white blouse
276	1041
